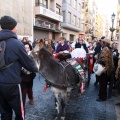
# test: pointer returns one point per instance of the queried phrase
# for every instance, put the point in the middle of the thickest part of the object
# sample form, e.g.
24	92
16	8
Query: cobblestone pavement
85	108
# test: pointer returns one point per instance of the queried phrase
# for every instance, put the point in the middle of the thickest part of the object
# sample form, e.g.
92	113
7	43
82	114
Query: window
69	1
64	35
79	7
69	17
82	27
74	20
83	5
63	16
79	22
63	1
75	4
44	3
82	16
58	9
36	2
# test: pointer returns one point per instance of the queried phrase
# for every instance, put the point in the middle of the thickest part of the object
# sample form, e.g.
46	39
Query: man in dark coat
10	78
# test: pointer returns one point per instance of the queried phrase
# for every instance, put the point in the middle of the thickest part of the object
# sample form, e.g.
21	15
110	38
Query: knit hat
7	22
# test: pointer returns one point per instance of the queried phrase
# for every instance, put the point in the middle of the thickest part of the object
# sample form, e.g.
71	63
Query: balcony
40	4
41	9
90	13
58	13
52	9
44	24
88	31
89	22
118	27
71	26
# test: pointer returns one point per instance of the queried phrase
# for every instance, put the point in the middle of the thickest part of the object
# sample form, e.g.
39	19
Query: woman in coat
27	80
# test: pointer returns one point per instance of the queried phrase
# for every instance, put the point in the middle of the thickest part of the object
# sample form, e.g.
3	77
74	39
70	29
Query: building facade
107	32
19	10
118	21
71	25
47	19
118	26
87	20
99	27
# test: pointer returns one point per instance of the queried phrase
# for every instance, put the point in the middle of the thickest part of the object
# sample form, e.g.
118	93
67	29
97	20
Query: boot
31	101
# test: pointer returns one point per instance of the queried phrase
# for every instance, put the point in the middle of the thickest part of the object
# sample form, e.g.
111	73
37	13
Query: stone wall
22	11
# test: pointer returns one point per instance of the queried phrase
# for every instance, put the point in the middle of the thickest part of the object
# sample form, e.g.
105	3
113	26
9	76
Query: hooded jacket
15	51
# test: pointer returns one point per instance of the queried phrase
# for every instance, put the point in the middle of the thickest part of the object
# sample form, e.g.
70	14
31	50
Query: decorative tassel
82	88
45	87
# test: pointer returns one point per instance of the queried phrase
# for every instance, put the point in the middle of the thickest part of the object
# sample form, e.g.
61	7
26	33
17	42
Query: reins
65	73
40	78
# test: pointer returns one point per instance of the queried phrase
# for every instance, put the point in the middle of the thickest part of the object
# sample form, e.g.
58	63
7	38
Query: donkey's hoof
62	118
68	95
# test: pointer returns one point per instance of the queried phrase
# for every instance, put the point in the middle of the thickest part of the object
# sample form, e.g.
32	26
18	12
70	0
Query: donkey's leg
57	104
64	100
69	92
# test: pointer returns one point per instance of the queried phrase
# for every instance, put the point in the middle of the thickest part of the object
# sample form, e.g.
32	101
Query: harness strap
64	72
57	86
3	68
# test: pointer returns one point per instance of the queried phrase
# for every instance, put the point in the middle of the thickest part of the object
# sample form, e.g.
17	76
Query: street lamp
112	29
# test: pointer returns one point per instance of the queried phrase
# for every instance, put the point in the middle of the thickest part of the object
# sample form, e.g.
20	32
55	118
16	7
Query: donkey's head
40	52
35	53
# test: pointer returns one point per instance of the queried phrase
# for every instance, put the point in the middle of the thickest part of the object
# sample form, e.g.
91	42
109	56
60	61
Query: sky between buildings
107	7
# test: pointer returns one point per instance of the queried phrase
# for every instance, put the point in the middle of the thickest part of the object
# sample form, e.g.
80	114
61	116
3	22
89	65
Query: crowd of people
17	79
103	51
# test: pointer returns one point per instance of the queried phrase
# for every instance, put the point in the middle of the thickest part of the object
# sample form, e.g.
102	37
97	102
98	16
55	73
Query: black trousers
27	90
103	86
11	99
111	83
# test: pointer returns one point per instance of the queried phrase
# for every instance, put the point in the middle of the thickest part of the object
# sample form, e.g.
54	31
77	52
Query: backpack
2	56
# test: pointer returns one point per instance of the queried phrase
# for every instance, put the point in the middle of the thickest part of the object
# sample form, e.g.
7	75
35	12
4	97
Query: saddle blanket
77	66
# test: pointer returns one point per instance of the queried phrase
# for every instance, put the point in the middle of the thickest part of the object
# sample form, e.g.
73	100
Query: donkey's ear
41	41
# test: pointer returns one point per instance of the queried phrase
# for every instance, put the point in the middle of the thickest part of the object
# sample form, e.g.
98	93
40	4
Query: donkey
61	77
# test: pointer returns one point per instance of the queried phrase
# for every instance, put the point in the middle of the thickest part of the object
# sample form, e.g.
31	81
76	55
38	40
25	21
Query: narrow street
80	32
85	108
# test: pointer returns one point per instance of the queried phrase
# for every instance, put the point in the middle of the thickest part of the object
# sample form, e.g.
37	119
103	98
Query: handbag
96	56
98	68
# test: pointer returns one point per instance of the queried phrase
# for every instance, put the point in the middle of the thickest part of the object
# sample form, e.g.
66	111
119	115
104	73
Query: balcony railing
89	22
90	13
58	13
40	4
88	32
44	24
52	9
